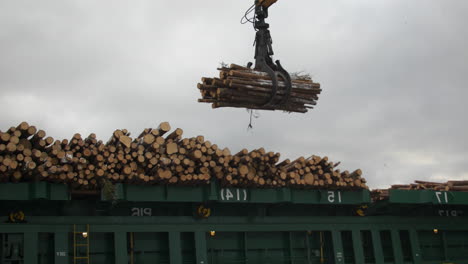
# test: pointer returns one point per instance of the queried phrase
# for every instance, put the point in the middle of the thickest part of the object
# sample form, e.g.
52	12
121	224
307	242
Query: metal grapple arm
264	53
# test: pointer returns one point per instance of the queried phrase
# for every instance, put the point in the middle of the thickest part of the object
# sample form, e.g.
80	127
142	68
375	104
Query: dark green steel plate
237	195
428	197
32	191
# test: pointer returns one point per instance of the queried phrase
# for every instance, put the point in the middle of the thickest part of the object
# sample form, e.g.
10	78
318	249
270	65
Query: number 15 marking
331	196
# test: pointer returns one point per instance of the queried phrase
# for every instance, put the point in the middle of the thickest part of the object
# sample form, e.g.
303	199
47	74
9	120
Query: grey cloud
393	75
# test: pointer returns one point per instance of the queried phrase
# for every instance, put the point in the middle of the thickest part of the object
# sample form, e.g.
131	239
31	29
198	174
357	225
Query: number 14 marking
227	195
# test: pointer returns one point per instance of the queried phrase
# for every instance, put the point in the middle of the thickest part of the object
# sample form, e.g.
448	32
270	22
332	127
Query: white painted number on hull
334	196
233	194
442	197
448	213
141	211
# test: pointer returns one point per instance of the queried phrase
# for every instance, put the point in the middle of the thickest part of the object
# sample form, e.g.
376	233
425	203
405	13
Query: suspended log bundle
241	87
157	157
461	186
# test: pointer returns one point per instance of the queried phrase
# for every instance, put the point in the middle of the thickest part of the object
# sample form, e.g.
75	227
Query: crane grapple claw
264	61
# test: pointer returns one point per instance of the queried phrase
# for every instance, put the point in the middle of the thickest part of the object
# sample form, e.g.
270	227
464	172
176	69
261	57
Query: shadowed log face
159	156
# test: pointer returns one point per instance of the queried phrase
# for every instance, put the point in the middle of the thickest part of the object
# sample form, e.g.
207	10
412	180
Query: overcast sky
393	73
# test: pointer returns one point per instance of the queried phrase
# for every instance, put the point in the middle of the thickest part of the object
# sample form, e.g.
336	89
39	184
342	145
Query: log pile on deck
241	87
382	194
158	156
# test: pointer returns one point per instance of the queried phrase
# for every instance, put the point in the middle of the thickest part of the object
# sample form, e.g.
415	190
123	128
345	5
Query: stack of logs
238	86
382	194
157	156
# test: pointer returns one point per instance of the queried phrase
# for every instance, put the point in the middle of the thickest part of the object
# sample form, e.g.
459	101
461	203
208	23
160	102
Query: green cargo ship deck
46	223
